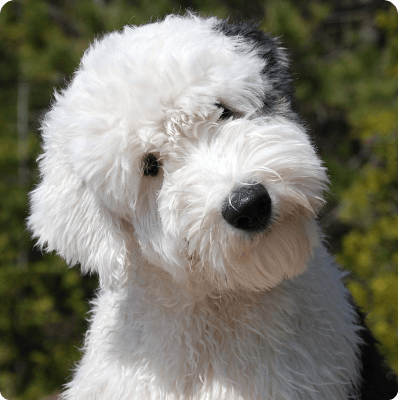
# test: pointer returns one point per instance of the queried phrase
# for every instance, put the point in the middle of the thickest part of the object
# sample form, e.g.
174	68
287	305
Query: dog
175	167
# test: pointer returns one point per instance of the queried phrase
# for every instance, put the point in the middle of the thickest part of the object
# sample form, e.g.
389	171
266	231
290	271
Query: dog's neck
158	287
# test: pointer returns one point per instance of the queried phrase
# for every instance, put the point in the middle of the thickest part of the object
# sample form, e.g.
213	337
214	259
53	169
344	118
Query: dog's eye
226	113
151	165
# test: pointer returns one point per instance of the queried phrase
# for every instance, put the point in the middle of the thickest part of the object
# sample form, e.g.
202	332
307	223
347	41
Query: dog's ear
69	218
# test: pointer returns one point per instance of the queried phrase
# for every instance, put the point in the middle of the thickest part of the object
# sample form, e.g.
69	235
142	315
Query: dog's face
175	146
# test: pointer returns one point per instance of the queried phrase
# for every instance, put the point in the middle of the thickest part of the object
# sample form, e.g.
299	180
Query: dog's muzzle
248	208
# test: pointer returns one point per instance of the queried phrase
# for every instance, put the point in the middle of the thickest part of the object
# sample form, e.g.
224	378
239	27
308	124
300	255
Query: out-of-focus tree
344	56
370	203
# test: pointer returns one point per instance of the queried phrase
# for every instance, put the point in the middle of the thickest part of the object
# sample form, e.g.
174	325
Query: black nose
248	208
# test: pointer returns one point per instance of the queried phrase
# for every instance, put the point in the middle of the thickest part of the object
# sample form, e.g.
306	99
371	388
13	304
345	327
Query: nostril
243	222
248	208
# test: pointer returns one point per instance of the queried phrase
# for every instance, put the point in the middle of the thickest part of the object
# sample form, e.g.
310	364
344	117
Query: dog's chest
275	346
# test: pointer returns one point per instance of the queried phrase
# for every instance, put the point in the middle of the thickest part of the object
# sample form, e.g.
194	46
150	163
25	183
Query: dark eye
226	114
151	165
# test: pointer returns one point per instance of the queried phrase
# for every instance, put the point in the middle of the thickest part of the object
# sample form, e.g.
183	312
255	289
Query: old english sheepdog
175	168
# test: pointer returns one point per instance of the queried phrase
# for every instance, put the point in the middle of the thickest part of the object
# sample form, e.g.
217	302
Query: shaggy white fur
142	153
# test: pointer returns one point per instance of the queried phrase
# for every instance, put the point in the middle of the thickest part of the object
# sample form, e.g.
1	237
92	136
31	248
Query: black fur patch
378	381
269	49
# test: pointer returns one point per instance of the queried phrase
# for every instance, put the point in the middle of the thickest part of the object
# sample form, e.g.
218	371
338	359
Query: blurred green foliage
345	61
370	203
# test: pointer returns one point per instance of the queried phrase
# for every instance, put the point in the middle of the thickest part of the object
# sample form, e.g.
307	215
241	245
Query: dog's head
175	147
